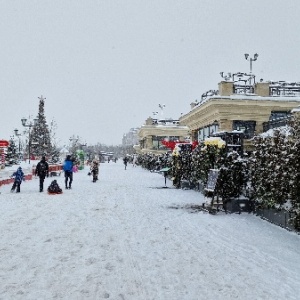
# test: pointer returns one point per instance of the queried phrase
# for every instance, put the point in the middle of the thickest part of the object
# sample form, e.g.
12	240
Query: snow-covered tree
294	169
181	164
12	153
232	177
260	172
40	136
270	170
205	158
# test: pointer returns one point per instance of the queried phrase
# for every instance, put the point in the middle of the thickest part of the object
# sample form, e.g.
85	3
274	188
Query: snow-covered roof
247	97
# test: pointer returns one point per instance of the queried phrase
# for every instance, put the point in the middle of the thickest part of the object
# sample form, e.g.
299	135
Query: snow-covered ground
119	239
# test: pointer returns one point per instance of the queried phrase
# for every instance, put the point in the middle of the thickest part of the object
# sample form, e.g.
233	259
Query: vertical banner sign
213	175
3	144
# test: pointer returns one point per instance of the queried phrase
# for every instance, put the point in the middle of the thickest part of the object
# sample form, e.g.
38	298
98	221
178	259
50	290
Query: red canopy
4	143
171	144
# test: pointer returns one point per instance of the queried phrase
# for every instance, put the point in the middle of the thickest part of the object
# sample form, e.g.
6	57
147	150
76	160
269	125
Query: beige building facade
233	108
154	132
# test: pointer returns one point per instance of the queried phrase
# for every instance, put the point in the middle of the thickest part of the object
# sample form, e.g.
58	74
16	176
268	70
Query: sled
54	193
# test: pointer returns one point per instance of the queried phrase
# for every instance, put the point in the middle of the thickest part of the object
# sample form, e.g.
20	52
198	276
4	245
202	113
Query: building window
207	131
248	127
200	135
157	142
279	115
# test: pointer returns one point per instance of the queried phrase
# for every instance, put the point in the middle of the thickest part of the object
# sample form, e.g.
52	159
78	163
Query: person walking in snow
68	169
134	160
95	170
125	160
42	170
19	177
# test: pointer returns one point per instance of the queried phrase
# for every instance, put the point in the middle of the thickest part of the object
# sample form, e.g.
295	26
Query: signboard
4	143
2	156
213	175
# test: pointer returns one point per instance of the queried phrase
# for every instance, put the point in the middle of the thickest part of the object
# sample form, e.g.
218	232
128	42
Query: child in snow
75	168
95	170
54	188
19	177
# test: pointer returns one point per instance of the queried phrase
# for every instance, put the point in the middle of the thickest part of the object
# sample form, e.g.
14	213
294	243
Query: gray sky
105	66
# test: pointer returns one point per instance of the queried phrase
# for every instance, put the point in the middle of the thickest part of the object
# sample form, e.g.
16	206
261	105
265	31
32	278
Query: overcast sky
104	65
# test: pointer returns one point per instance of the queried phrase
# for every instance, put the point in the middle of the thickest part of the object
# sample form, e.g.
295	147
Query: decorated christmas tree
40	136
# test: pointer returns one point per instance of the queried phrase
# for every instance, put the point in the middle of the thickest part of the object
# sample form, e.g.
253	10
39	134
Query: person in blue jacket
19	177
68	169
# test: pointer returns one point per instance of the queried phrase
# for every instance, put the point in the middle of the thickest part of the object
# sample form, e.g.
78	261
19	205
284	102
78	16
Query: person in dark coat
125	160
68	169
42	170
19	177
95	170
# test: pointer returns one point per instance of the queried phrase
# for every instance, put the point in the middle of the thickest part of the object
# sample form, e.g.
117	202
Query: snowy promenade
118	239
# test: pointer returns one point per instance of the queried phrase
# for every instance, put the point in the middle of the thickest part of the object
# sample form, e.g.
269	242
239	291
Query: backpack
68	166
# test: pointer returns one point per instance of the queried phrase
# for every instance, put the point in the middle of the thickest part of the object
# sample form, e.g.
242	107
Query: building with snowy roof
155	131
131	137
243	105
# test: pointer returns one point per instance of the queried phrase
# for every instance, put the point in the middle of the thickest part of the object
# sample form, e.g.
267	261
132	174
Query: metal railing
284	89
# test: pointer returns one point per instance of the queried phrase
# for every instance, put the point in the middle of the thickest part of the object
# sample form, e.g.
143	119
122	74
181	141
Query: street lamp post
29	124
251	59
73	139
226	77
18	136
162	106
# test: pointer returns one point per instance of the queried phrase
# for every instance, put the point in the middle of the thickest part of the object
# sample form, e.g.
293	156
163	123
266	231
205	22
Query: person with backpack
68	169
19	177
42	170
